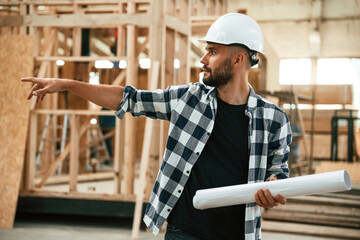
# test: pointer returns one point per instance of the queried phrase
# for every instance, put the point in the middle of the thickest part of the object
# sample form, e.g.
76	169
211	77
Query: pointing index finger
29	79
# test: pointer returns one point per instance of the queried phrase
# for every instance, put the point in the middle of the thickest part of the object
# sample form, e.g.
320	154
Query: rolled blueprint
245	193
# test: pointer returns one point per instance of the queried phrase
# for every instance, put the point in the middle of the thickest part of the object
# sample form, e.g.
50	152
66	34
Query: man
221	133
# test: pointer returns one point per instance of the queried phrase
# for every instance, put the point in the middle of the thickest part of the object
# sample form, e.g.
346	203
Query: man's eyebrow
210	48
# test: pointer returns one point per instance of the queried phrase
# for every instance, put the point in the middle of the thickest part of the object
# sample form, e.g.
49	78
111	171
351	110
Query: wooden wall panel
16	61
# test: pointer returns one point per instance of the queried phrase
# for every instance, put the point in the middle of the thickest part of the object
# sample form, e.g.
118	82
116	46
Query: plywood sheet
16	61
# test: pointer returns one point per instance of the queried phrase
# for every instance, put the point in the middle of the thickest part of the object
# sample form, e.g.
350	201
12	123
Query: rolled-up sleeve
154	104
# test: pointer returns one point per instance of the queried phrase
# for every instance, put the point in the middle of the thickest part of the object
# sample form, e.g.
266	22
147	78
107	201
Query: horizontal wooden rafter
88	20
79	59
77	112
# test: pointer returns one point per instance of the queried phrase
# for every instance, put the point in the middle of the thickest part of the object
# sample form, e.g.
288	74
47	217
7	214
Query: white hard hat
236	28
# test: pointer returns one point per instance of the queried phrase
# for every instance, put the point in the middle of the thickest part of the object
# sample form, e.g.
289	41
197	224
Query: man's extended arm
103	95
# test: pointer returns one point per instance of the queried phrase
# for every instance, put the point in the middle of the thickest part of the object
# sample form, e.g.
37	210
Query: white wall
288	25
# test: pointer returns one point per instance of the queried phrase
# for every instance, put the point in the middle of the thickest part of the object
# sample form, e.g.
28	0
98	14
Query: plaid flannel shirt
191	110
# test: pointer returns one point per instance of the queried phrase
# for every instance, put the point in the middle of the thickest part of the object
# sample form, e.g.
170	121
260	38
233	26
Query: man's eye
212	52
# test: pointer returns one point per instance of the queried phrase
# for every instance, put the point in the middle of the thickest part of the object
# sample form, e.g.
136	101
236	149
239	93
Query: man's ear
239	58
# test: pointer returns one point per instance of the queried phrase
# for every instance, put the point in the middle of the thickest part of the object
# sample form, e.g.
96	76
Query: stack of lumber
335	215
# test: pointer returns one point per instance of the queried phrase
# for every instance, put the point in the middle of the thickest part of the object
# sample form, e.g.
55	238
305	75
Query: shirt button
168	210
188	172
197	153
179	191
208	134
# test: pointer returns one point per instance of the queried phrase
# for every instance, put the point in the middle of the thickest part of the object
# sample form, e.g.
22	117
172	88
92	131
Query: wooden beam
176	24
51	170
78	195
197	50
311	230
145	159
77	112
88	20
31	161
74	153
184	58
82	178
130	124
79	58
11	21
117	157
44	67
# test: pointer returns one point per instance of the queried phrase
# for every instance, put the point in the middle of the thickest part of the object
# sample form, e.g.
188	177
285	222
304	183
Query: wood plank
294	207
11	21
74	153
318	200
79	195
184	58
176	24
130	123
15	51
82	178
311	218
74	112
145	159
79	58
31	160
88	20
117	157
311	230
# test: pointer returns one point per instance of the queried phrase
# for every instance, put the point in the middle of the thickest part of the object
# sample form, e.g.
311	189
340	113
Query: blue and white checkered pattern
191	110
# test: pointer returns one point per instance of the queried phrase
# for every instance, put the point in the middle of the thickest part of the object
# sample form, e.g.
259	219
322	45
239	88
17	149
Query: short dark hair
252	54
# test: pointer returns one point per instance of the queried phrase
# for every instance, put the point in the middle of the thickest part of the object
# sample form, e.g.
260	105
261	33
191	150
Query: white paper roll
245	193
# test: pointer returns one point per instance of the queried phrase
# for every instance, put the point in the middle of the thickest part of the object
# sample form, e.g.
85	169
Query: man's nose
203	60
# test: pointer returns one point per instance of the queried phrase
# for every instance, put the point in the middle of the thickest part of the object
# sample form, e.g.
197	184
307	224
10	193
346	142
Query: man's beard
220	76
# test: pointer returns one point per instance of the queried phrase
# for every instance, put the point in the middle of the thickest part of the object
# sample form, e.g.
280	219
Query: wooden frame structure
159	30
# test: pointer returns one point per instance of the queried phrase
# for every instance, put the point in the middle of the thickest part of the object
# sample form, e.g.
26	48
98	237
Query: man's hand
264	198
43	86
108	96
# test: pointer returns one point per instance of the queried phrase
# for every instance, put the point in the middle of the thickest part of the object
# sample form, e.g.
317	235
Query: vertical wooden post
76	35
31	160
211	7
23	12
120	46
117	157
130	127
184	44
145	159
167	74
74	152
155	52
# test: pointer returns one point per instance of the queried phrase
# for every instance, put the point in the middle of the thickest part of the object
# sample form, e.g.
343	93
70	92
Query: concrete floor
55	227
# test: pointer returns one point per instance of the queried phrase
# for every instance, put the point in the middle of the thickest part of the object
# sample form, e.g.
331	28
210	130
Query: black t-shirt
223	162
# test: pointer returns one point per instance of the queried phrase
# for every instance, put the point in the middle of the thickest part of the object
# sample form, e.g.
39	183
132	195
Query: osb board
352	168
326	94
16	61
